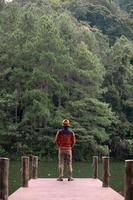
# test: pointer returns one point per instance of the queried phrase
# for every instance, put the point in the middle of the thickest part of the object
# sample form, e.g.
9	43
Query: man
65	140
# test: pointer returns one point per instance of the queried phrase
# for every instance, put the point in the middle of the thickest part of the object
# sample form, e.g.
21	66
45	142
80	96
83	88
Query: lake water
80	169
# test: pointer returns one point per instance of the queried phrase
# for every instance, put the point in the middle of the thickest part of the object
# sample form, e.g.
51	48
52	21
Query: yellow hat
65	122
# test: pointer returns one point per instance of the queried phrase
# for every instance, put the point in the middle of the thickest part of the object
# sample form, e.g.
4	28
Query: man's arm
57	139
73	139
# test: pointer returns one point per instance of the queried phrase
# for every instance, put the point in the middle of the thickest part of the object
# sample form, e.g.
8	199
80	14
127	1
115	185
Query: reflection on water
80	169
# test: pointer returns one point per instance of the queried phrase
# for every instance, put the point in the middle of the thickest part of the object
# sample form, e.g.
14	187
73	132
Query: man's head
65	123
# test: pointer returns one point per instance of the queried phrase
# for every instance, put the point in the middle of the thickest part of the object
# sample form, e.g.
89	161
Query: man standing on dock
65	140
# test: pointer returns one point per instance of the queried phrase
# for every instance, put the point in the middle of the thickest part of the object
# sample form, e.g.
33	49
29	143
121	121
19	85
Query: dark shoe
70	179
60	179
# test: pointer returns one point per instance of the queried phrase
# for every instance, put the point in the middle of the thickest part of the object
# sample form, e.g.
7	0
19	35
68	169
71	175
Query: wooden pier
79	189
51	189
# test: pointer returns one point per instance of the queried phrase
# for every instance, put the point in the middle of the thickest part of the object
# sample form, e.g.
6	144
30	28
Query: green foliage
106	15
102	150
2	152
126	5
130	147
54	66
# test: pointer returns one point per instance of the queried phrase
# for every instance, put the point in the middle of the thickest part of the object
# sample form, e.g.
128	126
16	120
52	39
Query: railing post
106	172
25	171
34	167
4	173
128	187
95	166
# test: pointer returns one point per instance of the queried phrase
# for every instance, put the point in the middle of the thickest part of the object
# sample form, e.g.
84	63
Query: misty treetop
58	61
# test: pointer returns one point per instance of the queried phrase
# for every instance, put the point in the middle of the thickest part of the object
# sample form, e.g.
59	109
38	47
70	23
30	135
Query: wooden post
95	166
4	173
25	171
106	171
34	167
128	187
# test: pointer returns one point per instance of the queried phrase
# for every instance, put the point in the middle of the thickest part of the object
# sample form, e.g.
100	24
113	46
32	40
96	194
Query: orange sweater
65	139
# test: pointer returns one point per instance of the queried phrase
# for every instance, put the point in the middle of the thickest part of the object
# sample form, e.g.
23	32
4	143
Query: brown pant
65	154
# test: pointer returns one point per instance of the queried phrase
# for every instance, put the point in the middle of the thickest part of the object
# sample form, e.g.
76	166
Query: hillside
66	59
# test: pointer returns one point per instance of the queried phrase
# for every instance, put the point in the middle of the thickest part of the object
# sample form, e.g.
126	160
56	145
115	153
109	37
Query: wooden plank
34	167
79	189
128	180
25	170
4	173
106	171
95	166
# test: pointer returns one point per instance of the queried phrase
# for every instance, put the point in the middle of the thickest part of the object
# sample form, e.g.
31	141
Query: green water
80	169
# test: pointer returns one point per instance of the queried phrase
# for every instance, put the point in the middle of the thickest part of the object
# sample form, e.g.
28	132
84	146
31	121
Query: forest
66	59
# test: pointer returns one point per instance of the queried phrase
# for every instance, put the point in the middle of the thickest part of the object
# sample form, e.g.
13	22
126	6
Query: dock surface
79	189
